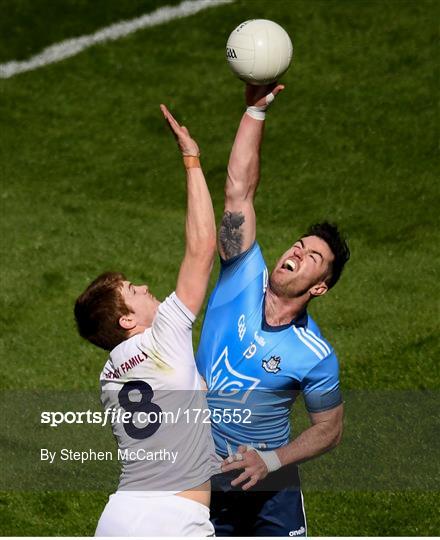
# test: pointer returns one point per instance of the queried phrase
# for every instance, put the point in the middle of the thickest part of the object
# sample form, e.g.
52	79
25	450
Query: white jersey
153	377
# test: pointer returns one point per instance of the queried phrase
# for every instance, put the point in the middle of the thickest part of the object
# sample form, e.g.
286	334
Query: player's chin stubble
286	289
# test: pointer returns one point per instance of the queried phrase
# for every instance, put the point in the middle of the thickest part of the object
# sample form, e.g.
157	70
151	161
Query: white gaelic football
259	51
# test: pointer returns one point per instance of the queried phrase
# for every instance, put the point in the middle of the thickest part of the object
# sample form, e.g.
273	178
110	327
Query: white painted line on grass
71	47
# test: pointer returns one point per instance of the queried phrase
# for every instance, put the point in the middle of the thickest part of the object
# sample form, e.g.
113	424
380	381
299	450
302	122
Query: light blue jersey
255	371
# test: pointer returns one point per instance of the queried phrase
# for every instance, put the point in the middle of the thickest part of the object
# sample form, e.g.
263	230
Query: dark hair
330	234
98	309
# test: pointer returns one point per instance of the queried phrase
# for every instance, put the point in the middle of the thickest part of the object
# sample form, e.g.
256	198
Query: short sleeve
251	256
178	310
237	273
320	386
170	338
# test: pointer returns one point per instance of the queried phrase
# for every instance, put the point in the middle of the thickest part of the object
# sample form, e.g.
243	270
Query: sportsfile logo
227	384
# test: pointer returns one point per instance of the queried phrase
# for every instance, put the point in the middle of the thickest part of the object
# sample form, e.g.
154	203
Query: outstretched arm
238	226
196	266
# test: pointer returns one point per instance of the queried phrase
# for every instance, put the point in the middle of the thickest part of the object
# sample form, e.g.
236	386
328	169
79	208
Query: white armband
270	458
259	113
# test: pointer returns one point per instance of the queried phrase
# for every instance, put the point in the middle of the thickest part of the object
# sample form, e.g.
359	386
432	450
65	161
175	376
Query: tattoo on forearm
231	235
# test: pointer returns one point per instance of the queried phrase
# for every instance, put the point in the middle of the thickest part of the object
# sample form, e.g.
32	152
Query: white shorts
129	513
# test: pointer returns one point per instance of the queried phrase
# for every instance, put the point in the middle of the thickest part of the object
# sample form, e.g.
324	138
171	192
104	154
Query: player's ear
319	289
127	322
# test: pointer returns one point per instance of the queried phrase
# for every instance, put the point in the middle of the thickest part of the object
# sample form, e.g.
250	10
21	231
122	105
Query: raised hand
185	142
256	96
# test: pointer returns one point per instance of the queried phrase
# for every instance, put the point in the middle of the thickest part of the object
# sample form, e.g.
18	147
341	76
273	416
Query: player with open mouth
259	348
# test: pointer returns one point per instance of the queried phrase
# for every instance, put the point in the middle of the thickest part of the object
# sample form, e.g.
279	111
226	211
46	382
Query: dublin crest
272	365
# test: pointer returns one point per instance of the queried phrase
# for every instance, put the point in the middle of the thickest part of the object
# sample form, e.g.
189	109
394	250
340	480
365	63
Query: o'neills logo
299	532
230	53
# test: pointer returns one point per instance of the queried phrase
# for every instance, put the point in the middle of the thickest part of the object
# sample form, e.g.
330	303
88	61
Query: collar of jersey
301	320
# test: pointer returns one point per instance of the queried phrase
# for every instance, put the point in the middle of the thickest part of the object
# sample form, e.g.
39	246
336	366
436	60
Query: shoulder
245	272
313	344
253	254
244	267
320	378
174	308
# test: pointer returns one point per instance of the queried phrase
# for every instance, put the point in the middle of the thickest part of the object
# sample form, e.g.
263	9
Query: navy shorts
274	507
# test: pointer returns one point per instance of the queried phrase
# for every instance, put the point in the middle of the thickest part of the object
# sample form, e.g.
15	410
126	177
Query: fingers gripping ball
259	51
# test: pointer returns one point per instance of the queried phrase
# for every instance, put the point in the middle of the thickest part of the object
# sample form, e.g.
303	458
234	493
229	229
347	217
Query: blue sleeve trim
228	262
316	401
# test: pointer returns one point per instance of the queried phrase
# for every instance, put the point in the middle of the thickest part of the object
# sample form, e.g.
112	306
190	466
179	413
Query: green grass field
91	181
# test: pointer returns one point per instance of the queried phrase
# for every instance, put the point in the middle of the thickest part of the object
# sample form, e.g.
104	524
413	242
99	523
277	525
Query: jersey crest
272	365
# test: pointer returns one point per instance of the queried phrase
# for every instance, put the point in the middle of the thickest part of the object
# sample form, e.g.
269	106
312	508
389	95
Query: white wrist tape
270	458
259	113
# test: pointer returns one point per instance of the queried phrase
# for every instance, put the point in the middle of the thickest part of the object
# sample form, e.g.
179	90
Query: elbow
209	244
240	187
204	249
211	250
336	437
233	191
331	436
